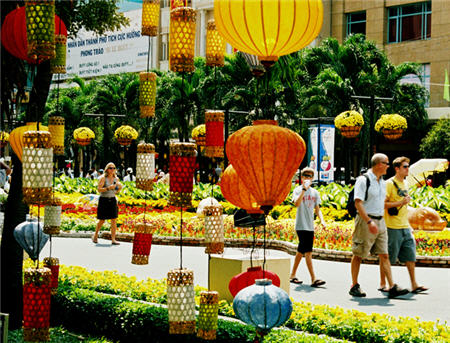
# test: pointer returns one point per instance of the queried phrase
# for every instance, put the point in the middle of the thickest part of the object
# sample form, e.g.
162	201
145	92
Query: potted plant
83	135
391	125
125	134
199	134
349	123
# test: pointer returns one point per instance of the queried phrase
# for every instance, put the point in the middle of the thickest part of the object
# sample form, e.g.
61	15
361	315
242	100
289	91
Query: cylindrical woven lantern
36	304
37	162
56	128
181	168
150	17
147	94
40	20
214	235
215	46
214	133
52	263
16	136
177	3
182	39
142	242
52	217
145	166
180	301
208	315
58	64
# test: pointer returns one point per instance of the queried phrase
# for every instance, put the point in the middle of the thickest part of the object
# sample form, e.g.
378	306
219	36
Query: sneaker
356	291
396	291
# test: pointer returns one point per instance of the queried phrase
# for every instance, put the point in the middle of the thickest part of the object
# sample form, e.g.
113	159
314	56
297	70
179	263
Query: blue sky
129	5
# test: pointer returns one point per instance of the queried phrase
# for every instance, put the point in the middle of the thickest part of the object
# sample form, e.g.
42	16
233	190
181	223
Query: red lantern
214	133
245	279
142	243
36	304
53	264
181	168
14	34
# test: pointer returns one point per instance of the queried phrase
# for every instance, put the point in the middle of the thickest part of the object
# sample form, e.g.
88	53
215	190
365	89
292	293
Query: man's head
401	166
130	170
307	173
380	164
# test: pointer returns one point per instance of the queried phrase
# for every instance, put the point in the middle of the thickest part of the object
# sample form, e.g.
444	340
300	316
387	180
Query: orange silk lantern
266	156
16	136
214	133
268	28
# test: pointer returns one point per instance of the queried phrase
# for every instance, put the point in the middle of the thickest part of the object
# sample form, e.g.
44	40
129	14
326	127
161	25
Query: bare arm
404	201
101	185
320	215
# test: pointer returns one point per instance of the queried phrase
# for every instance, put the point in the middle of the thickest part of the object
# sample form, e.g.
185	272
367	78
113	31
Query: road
431	306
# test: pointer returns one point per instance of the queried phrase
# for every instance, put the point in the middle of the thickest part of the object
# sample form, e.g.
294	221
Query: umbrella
419	171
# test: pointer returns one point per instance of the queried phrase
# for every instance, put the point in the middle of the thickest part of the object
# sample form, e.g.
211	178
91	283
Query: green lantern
147	94
58	64
40	20
208	315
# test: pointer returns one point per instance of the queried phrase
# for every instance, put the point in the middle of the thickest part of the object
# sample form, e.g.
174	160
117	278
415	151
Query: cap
129	170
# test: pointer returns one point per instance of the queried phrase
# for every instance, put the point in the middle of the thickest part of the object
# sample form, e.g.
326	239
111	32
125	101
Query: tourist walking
370	234
401	242
129	176
108	187
307	201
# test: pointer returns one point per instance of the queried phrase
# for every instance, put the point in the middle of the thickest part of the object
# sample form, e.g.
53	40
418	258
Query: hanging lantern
147	94
208	315
52	263
14	34
248	278
214	133
182	39
180	301
16	136
177	3
37	175
215	46
145	166
125	135
262	305
181	168
58	64
214	231
52	217
150	17
36	304
30	237
253	63
40	22
266	156
4	138
269	28
142	242
56	128
83	135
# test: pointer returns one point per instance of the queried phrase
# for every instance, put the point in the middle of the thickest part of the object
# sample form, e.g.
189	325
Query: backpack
351	198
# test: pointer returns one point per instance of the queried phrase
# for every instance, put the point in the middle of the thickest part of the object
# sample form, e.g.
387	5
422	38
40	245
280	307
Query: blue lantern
262	305
30	237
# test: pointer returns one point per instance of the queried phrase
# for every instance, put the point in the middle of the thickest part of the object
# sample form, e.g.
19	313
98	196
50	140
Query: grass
58	335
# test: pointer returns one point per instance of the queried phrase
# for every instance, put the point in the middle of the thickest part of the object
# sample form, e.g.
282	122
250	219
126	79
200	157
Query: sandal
115	243
383	289
296	281
95	240
318	283
419	289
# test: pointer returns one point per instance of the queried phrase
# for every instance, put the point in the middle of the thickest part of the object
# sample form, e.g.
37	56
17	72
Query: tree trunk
11	251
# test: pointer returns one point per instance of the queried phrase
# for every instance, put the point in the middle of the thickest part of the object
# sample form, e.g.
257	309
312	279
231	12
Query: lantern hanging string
148	54
264	249
38	236
253	243
181	238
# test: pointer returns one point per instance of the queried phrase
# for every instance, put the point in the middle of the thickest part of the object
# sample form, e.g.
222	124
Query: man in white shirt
129	176
370	235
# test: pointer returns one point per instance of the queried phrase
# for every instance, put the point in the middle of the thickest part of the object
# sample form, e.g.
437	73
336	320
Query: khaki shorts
365	242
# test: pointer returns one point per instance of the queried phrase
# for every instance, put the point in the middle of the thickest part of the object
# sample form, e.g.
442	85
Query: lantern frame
150	17
182	39
58	63
214	133
215	46
142	242
214	229
181	167
145	166
52	263
56	128
208	315
147	94
40	25
52	217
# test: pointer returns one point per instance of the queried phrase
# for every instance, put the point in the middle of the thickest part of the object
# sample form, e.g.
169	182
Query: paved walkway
432	306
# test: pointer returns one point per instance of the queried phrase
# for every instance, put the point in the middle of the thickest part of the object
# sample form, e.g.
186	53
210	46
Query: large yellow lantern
150	17
215	46
182	39
268	28
16	136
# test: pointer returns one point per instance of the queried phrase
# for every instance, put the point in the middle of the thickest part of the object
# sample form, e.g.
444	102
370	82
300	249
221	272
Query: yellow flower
125	132
349	118
4	136
199	131
83	133
391	122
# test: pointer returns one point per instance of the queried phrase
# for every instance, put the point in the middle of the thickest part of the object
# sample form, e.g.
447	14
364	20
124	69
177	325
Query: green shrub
58	335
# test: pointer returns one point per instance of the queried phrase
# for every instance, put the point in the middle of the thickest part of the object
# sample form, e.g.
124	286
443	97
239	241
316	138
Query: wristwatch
370	221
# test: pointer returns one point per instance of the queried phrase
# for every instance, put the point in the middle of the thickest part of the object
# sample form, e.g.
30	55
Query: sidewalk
432	306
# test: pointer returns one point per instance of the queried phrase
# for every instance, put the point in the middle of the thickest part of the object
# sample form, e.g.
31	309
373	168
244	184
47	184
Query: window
164	47
409	22
422	79
356	23
165	3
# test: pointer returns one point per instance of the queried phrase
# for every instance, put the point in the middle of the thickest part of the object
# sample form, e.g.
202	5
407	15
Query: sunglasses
111	167
405	166
308	176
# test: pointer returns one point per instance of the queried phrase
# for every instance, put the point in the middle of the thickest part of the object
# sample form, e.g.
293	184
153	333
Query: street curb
289	248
